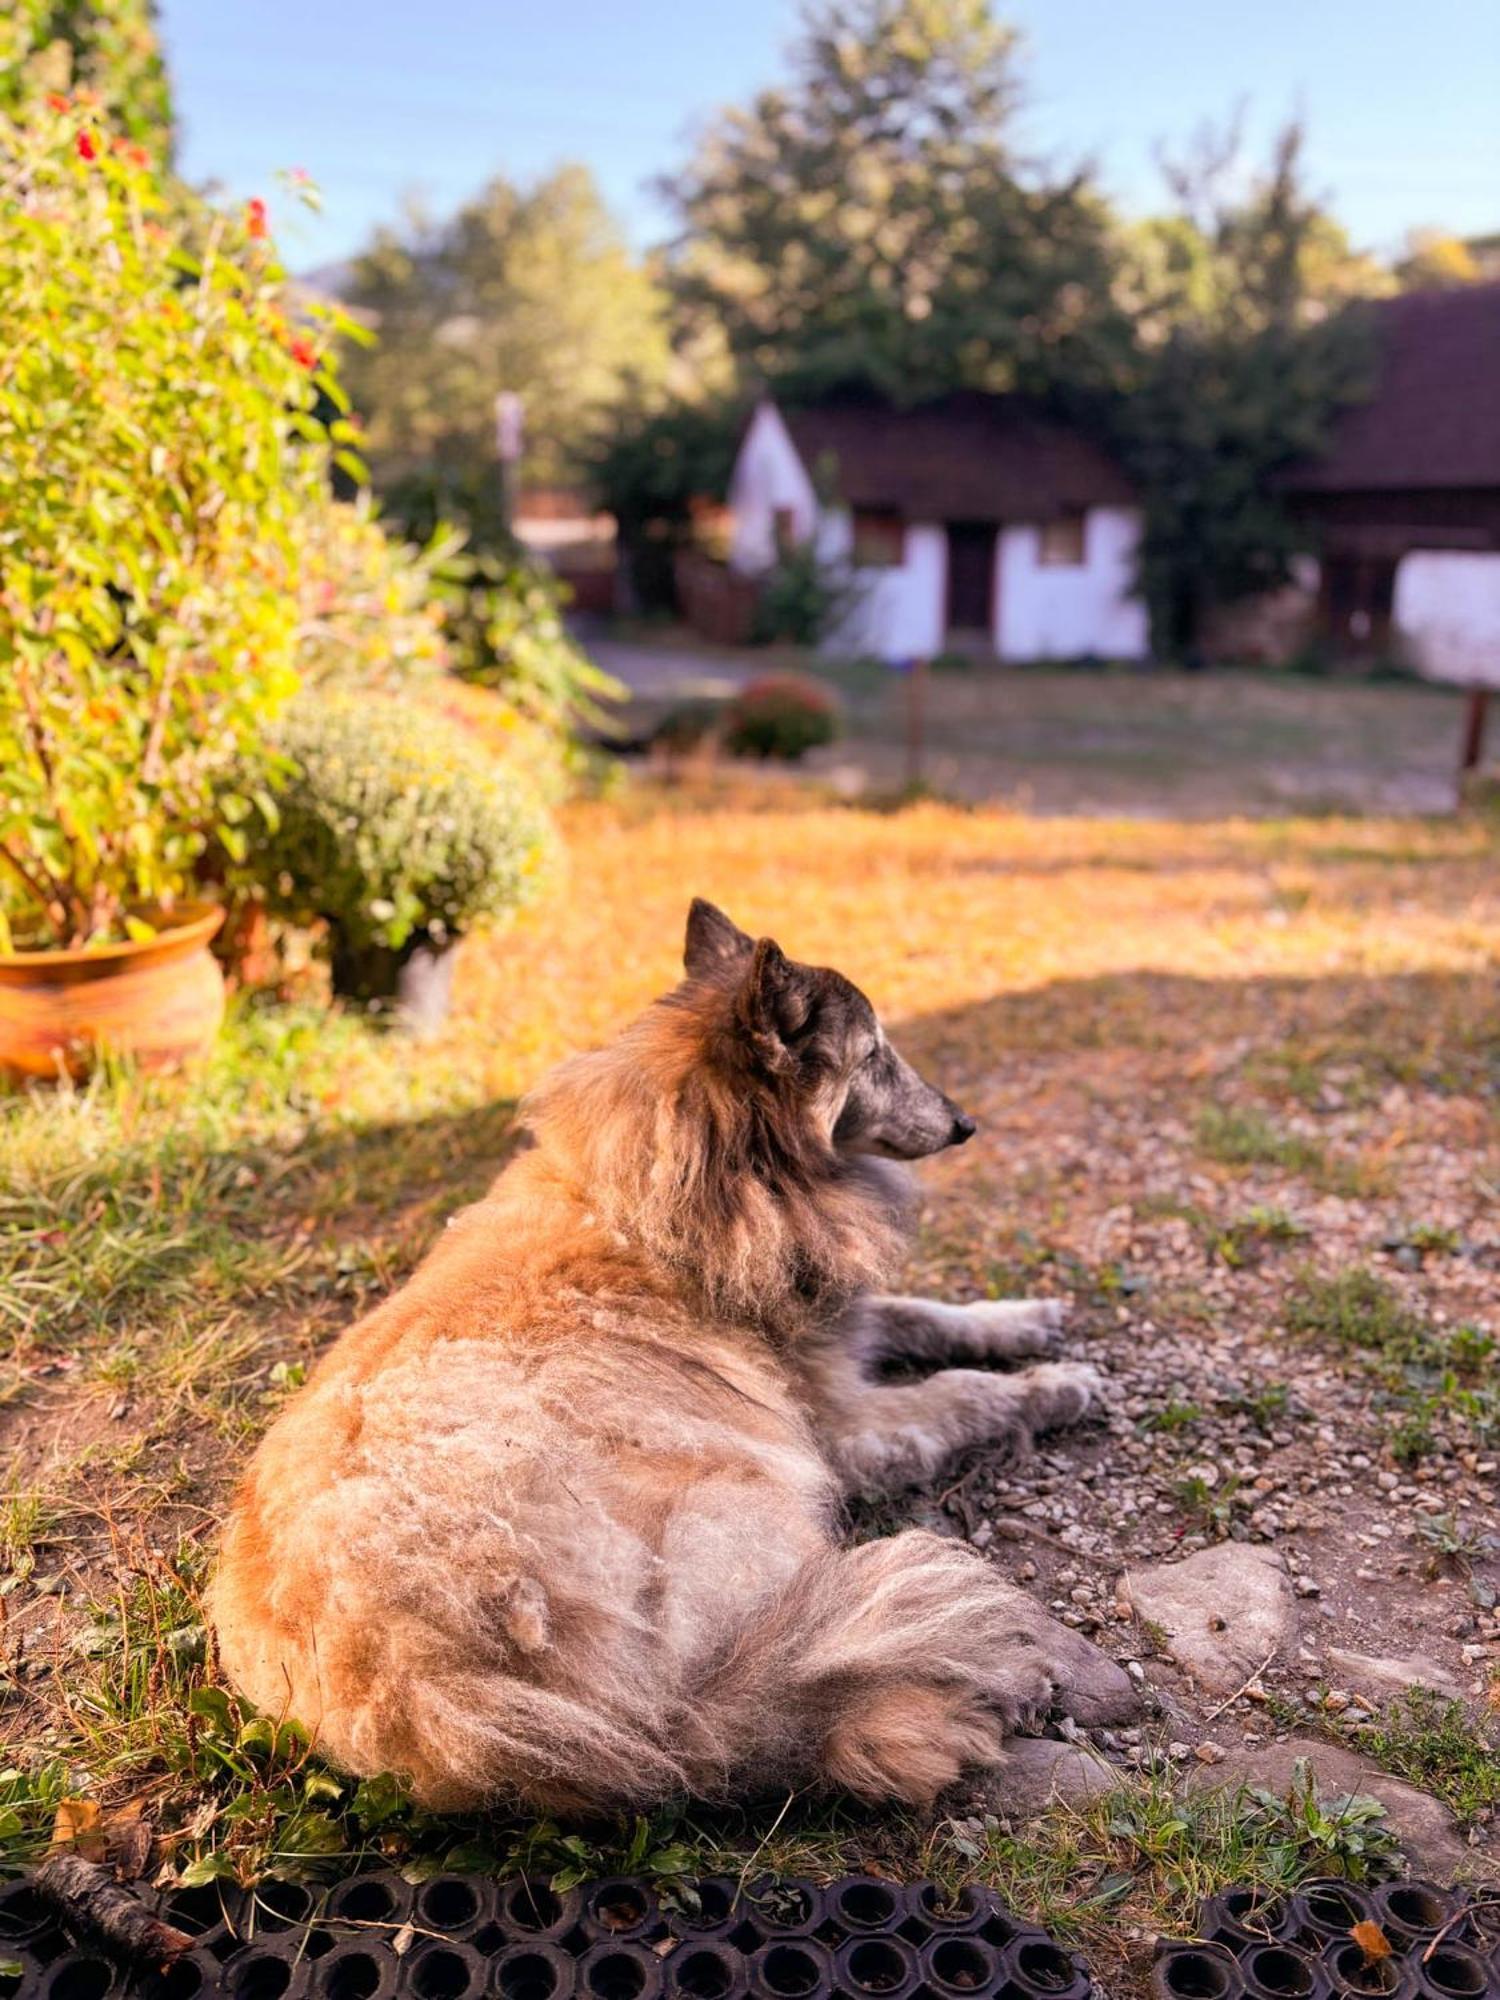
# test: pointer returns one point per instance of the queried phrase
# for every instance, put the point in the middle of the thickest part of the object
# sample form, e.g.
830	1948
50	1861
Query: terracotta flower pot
159	1002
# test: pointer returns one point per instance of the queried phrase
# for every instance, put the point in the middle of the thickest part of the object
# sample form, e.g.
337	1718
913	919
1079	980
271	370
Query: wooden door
971	576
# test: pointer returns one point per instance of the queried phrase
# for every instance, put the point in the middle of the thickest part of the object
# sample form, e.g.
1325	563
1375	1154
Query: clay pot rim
191	924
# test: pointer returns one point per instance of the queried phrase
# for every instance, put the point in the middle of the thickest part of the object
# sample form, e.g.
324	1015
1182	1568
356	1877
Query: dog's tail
884	1670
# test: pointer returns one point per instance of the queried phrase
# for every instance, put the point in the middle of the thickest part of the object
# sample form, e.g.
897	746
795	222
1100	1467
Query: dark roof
967	456
1433	417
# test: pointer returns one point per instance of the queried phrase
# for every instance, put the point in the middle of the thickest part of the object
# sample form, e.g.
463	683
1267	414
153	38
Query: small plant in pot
401	833
157	450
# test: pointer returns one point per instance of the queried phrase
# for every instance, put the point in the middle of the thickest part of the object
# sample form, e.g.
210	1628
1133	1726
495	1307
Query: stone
1038	1772
1374	1673
1424	1827
1223	1611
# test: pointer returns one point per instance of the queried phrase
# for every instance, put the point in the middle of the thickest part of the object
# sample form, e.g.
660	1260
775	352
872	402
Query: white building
974	522
1405	501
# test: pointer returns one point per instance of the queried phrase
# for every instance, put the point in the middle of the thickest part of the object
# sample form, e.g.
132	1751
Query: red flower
304	354
255	217
56	101
87	150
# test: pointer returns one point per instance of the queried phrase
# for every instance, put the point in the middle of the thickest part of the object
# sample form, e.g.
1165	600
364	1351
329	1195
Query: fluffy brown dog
556	1524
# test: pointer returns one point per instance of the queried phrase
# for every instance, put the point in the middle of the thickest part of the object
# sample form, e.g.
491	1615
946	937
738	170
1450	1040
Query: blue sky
378	97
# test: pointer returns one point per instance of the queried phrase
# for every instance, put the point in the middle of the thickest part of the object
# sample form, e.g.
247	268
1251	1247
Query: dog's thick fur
555	1525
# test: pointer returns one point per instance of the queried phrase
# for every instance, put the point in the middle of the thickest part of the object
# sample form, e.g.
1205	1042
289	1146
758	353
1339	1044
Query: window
879	538
1061	543
784	529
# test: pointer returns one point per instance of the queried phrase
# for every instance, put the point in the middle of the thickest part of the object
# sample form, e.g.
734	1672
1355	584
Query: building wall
1063	611
768	476
897	612
900	612
1447	615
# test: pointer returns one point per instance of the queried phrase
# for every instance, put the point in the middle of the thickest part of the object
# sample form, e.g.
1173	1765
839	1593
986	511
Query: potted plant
157	451
401	832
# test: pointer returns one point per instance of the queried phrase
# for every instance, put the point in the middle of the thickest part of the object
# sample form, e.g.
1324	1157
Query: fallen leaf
76	1825
1372	1941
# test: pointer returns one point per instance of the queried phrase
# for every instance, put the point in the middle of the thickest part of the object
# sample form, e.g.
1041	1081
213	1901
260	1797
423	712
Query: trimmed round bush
394	825
782	716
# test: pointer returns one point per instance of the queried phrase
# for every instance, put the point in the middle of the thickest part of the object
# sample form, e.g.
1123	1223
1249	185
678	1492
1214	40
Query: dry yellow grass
934	909
177	1252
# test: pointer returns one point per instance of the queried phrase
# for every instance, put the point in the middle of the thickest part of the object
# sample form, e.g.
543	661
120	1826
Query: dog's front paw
1062	1392
1020	1327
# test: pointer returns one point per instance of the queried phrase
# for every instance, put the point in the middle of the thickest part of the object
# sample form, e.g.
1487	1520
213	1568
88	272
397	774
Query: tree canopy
1244	357
531	289
869	221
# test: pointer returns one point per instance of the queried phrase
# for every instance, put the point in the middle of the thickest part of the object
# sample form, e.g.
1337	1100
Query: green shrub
781	715
505	631
803	598
394	824
370	605
158	455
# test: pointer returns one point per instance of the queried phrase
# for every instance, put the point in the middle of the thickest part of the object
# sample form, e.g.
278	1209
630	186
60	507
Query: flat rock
1425	1828
1222	1611
1372	1673
1039	1772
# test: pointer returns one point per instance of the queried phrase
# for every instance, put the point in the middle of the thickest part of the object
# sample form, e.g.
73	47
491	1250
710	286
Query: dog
556	1525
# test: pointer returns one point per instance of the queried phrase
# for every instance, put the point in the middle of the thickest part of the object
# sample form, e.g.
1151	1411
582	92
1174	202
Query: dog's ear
712	940
775	1004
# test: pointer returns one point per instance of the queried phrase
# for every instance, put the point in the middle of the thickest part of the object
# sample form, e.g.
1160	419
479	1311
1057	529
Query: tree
525	289
1431	258
1248	347
869	222
109	47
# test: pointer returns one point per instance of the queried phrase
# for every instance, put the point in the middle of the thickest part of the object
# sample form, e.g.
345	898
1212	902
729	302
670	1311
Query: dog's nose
963	1128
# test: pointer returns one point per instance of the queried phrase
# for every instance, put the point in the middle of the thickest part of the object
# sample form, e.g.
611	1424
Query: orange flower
304	354
255	217
56	101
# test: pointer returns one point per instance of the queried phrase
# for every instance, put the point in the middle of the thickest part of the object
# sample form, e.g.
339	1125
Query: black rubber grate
1335	1941
466	1937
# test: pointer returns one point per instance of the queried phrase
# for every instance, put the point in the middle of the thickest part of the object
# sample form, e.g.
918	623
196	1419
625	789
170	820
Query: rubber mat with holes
1334	1941
458	1937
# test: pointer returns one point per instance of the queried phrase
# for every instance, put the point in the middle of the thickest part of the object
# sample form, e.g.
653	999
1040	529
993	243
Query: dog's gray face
815	1026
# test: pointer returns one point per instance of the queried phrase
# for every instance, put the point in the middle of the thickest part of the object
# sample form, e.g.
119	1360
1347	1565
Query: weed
1173	1416
1421	1240
1426	1377
1267	1405
1437	1744
1137	1862
1210	1506
1237	1137
1240	1242
1454	1544
25	1522
1355	1308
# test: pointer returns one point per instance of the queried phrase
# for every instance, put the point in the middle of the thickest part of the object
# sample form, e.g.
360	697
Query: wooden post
916	721
1475	716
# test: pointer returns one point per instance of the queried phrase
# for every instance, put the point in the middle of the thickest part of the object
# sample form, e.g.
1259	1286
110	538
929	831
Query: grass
174	1253
1440	1746
1429	1377
1240	1136
1188	745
